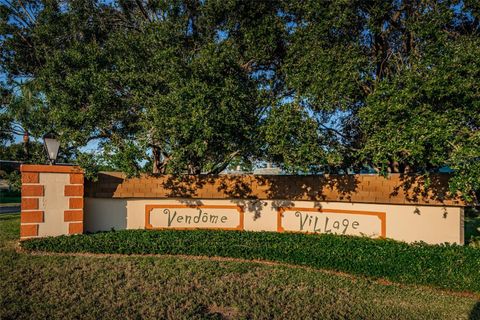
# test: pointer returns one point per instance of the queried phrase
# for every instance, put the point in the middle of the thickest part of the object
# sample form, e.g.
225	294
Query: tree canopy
190	86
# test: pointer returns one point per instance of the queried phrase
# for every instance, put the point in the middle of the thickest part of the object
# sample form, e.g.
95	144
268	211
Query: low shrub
446	266
9	196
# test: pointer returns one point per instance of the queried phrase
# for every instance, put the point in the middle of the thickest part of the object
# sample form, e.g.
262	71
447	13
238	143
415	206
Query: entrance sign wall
361	205
409	223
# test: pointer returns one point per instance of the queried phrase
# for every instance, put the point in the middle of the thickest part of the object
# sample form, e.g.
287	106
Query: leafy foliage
446	266
404	76
193	86
136	80
292	138
29	152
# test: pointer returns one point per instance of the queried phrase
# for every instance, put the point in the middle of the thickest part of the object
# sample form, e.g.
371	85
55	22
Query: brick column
52	200
74	192
30	216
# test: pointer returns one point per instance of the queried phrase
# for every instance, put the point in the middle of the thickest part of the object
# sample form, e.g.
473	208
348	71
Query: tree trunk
157	164
194	169
26	149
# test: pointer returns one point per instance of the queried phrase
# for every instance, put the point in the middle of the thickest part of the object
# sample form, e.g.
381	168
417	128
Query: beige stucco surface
431	224
105	214
54	203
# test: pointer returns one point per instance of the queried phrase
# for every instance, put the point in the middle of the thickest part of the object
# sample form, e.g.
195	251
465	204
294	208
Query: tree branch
26	11
142	9
219	168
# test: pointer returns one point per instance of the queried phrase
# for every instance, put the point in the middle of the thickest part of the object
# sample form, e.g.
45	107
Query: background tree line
192	86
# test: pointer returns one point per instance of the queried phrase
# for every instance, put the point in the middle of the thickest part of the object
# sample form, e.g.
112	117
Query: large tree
401	77
159	80
193	85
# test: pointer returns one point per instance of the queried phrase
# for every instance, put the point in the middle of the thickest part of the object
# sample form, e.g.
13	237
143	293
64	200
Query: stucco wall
55	203
431	224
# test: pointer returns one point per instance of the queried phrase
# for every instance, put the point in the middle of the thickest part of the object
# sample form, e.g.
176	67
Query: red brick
29	203
76	178
73	215
75	203
32	191
30	177
362	188
49	168
75	228
31	216
139	194
28	230
74	191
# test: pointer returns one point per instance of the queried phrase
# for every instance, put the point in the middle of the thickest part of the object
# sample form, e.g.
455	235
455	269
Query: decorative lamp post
52	145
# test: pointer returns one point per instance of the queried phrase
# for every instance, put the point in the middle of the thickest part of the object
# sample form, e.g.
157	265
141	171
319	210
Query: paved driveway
9	209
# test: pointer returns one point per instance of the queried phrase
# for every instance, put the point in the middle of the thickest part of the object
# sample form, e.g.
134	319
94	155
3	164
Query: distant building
268	170
264	168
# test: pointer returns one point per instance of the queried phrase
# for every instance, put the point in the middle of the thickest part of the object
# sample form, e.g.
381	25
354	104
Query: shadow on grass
9	216
207	312
475	313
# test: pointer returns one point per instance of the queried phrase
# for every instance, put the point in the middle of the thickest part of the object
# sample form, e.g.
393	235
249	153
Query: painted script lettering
200	217
323	224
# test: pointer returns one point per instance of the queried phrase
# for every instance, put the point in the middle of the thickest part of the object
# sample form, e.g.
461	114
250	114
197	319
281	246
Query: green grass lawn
452	267
111	287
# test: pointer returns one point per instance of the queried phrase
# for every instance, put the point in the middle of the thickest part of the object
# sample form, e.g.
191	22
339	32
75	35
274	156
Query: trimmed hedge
446	266
7	196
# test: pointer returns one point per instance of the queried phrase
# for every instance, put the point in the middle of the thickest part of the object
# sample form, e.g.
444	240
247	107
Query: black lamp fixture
52	145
